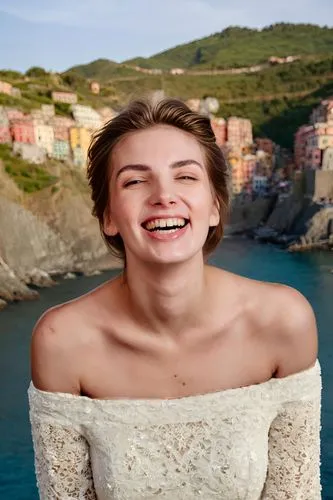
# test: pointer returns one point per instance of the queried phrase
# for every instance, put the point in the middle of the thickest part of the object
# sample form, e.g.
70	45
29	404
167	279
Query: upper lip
164	216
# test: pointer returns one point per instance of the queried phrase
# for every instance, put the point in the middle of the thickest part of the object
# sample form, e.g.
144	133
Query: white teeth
161	223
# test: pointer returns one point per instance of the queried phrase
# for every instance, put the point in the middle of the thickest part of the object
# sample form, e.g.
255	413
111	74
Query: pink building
4	134
219	127
239	132
300	143
66	97
61	126
14	114
23	131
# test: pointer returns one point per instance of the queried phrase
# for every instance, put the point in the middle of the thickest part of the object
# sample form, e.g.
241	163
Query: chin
169	258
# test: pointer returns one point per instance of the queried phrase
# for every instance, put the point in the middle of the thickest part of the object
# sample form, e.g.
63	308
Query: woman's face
161	201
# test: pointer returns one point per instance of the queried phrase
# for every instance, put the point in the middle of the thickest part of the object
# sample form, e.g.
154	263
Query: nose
163	195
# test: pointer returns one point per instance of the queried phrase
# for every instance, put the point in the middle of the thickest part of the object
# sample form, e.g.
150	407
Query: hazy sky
57	35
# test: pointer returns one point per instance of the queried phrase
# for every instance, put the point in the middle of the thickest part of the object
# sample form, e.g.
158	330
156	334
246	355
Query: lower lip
165	236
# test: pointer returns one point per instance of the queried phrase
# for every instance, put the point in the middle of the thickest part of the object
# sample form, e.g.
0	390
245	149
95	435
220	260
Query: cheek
124	212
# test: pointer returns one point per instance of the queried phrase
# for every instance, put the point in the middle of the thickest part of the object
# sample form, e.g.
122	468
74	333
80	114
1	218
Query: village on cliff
276	195
259	168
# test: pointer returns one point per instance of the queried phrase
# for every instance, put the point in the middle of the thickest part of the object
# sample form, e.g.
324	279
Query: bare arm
62	456
294	438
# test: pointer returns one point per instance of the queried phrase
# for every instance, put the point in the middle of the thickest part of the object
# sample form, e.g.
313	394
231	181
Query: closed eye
133	182
187	177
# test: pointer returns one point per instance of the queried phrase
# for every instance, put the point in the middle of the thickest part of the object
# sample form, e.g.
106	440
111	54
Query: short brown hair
140	115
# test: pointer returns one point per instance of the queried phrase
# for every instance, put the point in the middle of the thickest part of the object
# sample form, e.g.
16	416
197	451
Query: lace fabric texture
260	442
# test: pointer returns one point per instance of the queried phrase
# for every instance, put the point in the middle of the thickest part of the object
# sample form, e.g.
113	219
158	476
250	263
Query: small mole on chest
176	376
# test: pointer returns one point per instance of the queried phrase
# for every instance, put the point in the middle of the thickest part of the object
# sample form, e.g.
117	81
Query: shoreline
110	263
14	290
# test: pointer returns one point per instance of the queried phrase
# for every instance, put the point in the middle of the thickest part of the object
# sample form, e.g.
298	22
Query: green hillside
103	69
278	99
237	47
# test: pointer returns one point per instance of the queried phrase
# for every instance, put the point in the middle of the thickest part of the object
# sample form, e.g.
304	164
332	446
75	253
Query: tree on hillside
197	56
36	72
8	73
73	79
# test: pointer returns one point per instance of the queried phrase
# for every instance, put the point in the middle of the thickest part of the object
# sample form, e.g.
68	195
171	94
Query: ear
109	226
214	217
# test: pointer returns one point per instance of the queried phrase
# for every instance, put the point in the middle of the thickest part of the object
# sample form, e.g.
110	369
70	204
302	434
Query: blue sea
310	273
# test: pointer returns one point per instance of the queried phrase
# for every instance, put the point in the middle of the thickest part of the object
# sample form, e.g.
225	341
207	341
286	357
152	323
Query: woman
176	379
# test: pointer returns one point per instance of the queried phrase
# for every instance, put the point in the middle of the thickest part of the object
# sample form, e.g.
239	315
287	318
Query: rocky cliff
294	220
47	233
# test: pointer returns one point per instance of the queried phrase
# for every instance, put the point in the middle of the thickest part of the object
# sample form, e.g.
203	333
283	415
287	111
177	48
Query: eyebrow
139	167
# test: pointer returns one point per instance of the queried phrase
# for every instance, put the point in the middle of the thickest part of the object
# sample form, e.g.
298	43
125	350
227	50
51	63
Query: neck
165	298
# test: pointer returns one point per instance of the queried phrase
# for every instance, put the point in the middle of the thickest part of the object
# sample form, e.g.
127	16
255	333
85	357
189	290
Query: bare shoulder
283	317
61	339
292	326
53	366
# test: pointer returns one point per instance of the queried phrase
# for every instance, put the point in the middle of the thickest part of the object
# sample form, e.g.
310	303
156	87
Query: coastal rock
3	304
47	233
11	287
248	215
39	278
69	276
320	226
27	242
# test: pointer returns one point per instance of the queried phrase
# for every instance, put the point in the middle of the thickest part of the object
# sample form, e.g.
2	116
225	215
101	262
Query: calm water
309	273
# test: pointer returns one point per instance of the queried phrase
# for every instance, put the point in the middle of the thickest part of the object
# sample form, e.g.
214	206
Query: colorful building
237	178
300	144
61	126
79	137
219	127
65	97
5	136
327	162
29	152
323	112
61	150
86	116
79	156
239	132
95	87
79	140
22	131
44	136
14	114
259	184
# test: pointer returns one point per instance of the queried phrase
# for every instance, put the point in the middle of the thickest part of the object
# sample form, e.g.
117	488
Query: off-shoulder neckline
208	395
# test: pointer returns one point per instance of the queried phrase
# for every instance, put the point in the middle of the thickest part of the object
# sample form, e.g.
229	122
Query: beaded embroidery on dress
260	442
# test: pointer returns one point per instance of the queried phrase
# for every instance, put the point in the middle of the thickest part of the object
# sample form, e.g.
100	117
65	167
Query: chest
220	363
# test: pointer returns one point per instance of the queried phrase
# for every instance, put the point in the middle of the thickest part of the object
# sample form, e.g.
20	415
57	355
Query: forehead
156	145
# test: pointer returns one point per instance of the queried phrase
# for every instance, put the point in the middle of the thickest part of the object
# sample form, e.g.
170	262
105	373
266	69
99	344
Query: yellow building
79	137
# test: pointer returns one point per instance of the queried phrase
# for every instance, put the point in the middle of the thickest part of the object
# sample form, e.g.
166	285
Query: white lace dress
249	443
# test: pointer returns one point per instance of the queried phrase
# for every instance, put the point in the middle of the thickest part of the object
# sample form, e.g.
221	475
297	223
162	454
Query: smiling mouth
165	225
